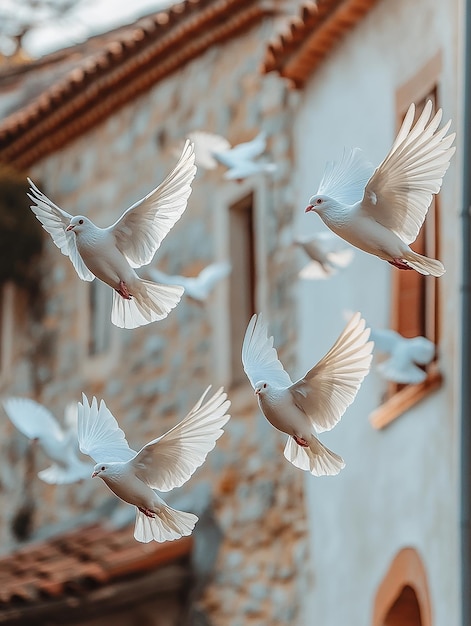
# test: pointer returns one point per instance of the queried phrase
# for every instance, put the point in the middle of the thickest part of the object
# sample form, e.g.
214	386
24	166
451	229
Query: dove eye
264	385
319	201
81	222
103	468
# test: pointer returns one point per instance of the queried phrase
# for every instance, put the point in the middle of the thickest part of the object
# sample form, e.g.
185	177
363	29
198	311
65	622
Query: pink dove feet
301	442
400	264
123	290
147	512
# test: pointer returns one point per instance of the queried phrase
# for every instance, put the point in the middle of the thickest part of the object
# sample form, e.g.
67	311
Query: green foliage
20	232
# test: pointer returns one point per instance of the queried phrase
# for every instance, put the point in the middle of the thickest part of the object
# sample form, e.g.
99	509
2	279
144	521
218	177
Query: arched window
403	598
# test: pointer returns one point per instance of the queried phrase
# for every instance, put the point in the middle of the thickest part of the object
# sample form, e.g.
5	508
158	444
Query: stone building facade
60	343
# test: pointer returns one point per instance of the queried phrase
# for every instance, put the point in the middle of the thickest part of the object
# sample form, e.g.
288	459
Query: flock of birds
377	210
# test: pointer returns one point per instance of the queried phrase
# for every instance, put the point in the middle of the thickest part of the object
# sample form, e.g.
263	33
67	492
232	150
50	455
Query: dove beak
257	392
308	208
70	227
94	474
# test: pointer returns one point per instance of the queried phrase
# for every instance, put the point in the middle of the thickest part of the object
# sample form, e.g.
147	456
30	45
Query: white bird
38	424
328	252
395	199
196	287
314	403
164	463
405	356
112	253
211	149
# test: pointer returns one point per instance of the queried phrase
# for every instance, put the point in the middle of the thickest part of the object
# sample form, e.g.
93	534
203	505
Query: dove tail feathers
424	265
167	525
316	458
150	302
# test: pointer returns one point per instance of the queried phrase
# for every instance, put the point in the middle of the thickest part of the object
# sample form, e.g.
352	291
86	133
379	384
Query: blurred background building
98	125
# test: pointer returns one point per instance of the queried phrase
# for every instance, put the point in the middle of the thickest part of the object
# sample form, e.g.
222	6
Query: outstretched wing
207	145
74	471
250	149
99	435
385	339
260	358
400	191
33	419
142	228
55	221
241	157
345	180
208	278
330	387
170	460
165	279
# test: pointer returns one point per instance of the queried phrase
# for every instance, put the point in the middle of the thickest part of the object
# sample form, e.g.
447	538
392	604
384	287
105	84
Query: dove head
100	470
319	204
261	388
79	224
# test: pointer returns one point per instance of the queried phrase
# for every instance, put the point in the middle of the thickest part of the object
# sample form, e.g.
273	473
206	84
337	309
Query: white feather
163	463
60	446
314	403
404	356
259	357
197	287
345	180
112	253
240	160
392	209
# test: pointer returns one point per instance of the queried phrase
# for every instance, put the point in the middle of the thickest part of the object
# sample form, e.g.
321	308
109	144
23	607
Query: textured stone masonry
159	371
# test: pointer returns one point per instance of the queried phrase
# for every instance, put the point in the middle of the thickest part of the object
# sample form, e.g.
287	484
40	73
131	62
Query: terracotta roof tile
92	80
308	38
80	560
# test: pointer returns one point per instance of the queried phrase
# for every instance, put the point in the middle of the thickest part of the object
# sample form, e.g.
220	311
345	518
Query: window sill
403	400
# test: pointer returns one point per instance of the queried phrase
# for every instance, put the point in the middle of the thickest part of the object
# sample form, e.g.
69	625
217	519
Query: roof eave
90	94
310	37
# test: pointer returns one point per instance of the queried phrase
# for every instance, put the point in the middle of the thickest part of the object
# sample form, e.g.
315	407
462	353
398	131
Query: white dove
112	253
211	149
38	424
197	287
328	252
396	197
164	463
314	403
405	355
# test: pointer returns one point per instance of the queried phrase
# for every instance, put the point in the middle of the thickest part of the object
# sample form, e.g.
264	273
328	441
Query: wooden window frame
219	315
403	398
246	203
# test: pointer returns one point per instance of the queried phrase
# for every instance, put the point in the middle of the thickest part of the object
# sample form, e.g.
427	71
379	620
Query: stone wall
155	373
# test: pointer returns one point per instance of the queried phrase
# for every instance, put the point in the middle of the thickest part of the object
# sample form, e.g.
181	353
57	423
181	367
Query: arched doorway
403	598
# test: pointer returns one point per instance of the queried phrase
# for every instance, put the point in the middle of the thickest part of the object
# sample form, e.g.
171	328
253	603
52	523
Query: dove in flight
395	198
197	287
240	160
112	253
163	464
328	255
38	424
316	402
405	355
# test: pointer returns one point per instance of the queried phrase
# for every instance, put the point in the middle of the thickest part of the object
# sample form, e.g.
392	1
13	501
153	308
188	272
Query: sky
88	18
